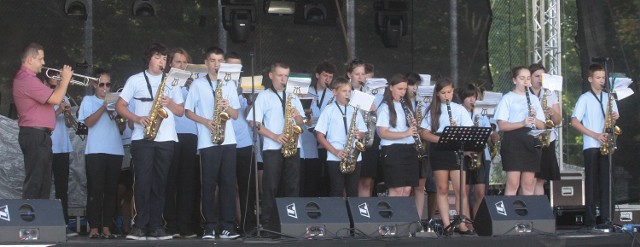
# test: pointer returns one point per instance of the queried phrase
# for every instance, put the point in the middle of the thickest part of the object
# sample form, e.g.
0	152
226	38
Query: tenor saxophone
545	138
157	113
220	117
291	131
352	147
476	157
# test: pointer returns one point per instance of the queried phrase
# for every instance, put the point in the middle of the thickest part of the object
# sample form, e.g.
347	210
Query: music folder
197	70
177	77
361	100
298	85
229	72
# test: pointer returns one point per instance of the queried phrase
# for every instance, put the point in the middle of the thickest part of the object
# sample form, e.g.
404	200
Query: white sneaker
226	234
209	235
71	233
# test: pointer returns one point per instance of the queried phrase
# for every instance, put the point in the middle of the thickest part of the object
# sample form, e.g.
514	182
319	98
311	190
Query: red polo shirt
30	96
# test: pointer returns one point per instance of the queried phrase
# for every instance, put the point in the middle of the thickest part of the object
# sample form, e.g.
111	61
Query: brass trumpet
83	80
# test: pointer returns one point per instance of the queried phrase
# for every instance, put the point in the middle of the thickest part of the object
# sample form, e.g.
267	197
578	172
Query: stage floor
561	238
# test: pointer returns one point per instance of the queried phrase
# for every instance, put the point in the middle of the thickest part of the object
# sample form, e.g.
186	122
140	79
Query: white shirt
60	141
244	135
136	87
401	124
269	112
184	125
459	114
309	144
318	99
514	108
200	101
590	113
332	125
104	136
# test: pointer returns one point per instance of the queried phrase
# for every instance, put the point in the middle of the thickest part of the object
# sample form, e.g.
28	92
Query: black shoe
467	232
159	234
136	234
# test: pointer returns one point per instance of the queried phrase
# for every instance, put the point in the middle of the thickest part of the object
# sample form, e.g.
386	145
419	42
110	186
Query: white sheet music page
177	77
229	72
361	100
552	82
298	85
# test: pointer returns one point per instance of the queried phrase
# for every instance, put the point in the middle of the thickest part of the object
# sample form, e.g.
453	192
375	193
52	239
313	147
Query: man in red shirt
36	118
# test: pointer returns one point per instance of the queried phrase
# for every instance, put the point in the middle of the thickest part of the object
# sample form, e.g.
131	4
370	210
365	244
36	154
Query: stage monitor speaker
31	221
313	217
383	216
514	215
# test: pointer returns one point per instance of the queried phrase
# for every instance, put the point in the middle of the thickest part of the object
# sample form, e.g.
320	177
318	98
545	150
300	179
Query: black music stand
460	139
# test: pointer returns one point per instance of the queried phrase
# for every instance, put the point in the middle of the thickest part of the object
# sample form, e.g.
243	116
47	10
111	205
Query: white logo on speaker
4	213
500	208
291	211
364	210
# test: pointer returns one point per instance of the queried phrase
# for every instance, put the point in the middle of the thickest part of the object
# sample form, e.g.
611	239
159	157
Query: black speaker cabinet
626	214
31	221
313	217
513	215
383	216
567	192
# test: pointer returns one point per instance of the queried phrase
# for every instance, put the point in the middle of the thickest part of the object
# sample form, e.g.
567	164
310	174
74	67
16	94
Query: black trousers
314	178
102	172
35	144
596	182
218	168
245	174
151	162
60	169
280	178
341	182
181	184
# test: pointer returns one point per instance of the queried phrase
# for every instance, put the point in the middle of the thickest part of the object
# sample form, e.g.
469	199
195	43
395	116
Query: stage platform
561	238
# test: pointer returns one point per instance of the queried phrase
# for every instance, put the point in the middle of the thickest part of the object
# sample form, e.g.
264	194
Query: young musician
356	74
589	117
398	138
518	113
420	108
315	177
477	179
332	131
183	173
440	114
281	175
549	169
151	158
218	161
36	118
61	147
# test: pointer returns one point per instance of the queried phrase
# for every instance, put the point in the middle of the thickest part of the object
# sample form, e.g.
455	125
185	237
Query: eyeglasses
102	84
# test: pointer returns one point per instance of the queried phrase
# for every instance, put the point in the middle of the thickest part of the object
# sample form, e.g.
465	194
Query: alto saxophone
611	129
352	147
291	131
416	139
220	117
370	120
545	138
476	157
156	114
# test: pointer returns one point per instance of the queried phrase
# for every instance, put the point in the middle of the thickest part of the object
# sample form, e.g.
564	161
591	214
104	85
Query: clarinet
526	89
416	139
449	111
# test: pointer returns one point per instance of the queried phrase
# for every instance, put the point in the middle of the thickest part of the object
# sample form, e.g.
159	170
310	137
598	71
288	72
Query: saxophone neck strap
344	118
283	100
604	115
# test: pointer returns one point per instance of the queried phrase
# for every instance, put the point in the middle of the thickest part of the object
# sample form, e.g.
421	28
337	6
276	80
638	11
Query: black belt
46	130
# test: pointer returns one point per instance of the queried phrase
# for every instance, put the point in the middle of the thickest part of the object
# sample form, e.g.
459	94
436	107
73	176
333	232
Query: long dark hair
434	107
388	98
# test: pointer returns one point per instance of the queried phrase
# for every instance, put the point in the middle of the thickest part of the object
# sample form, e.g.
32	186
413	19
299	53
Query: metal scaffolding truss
544	24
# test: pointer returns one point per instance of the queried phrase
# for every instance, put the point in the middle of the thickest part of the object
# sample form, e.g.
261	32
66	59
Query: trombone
82	80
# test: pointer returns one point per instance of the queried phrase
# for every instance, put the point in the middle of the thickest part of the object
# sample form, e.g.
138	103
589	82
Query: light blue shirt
459	114
332	125
244	134
514	108
201	100
60	141
269	112
104	136
401	124
590	113
184	125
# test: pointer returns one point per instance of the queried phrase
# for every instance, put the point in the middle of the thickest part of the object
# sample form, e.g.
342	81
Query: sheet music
426	79
177	77
111	99
621	87
375	86
487	106
552	82
229	72
298	85
197	70
361	100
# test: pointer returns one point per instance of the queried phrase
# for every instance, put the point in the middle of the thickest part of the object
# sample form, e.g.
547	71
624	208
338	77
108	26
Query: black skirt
549	169
520	151
442	160
400	165
370	158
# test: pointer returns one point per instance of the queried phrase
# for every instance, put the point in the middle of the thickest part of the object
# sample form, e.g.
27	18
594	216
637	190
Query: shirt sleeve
85	108
580	109
128	90
502	110
192	98
383	116
323	121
